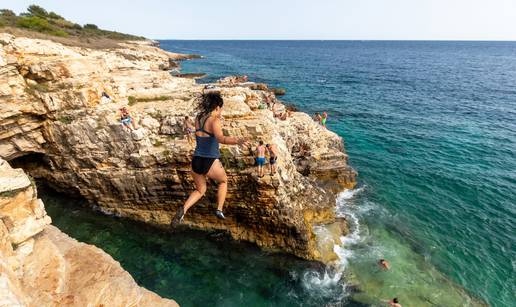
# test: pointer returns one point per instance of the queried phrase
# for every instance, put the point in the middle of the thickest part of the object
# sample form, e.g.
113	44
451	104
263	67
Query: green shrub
35	10
32	89
63	23
60	33
65	119
278	91
10	193
7	14
40	87
131	100
34	23
38	19
90	26
53	15
157	98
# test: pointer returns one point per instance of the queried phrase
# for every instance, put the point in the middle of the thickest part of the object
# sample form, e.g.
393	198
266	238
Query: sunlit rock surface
56	124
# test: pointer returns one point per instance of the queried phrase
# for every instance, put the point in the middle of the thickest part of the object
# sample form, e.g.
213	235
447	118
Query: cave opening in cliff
30	161
39	166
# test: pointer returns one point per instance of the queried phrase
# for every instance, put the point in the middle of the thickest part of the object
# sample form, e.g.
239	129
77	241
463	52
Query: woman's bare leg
218	174
200	189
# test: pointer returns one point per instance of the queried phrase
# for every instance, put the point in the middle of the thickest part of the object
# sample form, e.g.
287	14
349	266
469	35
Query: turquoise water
431	128
195	268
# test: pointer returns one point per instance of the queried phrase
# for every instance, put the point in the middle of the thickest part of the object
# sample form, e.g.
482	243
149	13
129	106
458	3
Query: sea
430	126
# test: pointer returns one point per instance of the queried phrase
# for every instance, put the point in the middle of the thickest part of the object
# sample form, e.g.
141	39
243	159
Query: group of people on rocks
321	119
207	130
272	151
260	152
281	114
232	80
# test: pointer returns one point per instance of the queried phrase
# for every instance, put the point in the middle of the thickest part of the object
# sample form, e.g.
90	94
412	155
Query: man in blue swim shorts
260	158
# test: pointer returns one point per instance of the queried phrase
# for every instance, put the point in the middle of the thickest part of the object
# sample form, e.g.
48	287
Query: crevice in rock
30	160
38	166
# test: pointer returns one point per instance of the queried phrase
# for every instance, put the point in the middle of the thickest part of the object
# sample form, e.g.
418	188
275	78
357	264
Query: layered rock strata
56	124
41	266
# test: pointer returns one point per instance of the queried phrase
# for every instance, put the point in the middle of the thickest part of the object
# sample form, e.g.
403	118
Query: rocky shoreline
56	125
41	266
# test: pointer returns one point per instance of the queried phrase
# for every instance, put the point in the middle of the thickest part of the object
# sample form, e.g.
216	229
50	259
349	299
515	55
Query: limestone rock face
41	266
56	124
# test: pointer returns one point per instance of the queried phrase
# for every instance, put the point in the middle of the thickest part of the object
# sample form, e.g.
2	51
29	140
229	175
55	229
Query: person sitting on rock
260	158
126	119
273	157
189	129
284	115
275	109
267	101
205	162
318	118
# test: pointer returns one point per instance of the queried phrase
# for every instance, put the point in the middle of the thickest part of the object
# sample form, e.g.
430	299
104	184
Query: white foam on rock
330	283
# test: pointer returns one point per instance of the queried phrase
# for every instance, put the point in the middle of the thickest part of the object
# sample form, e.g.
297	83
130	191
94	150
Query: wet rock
278	91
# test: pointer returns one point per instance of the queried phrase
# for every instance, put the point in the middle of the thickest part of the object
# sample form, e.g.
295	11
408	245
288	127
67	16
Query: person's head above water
210	102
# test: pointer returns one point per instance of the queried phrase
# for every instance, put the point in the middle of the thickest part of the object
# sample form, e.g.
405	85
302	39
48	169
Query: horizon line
315	39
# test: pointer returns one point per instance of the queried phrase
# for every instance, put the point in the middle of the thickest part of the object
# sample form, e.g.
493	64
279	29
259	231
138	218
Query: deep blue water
431	129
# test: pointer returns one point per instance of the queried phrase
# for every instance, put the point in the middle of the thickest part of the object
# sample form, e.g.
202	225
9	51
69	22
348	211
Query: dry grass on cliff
39	23
133	100
92	43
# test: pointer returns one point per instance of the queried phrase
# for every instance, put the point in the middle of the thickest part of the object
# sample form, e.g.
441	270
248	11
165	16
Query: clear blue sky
290	19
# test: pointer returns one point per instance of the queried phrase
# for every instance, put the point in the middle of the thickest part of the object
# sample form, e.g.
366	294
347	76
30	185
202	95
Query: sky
290	19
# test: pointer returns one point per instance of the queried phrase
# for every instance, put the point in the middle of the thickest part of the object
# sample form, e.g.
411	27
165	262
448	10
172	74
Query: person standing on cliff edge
273	157
205	162
324	119
260	158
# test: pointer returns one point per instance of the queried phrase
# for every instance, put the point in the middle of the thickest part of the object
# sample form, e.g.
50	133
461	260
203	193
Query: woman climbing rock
205	162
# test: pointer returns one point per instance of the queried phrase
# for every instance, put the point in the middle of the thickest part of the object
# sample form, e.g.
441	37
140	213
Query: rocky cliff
41	266
56	125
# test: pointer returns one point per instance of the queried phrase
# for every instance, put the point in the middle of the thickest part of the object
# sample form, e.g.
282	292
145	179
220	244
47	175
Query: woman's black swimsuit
206	150
202	165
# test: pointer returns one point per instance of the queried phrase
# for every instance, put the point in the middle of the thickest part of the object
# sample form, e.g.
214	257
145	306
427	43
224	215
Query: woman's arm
229	140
